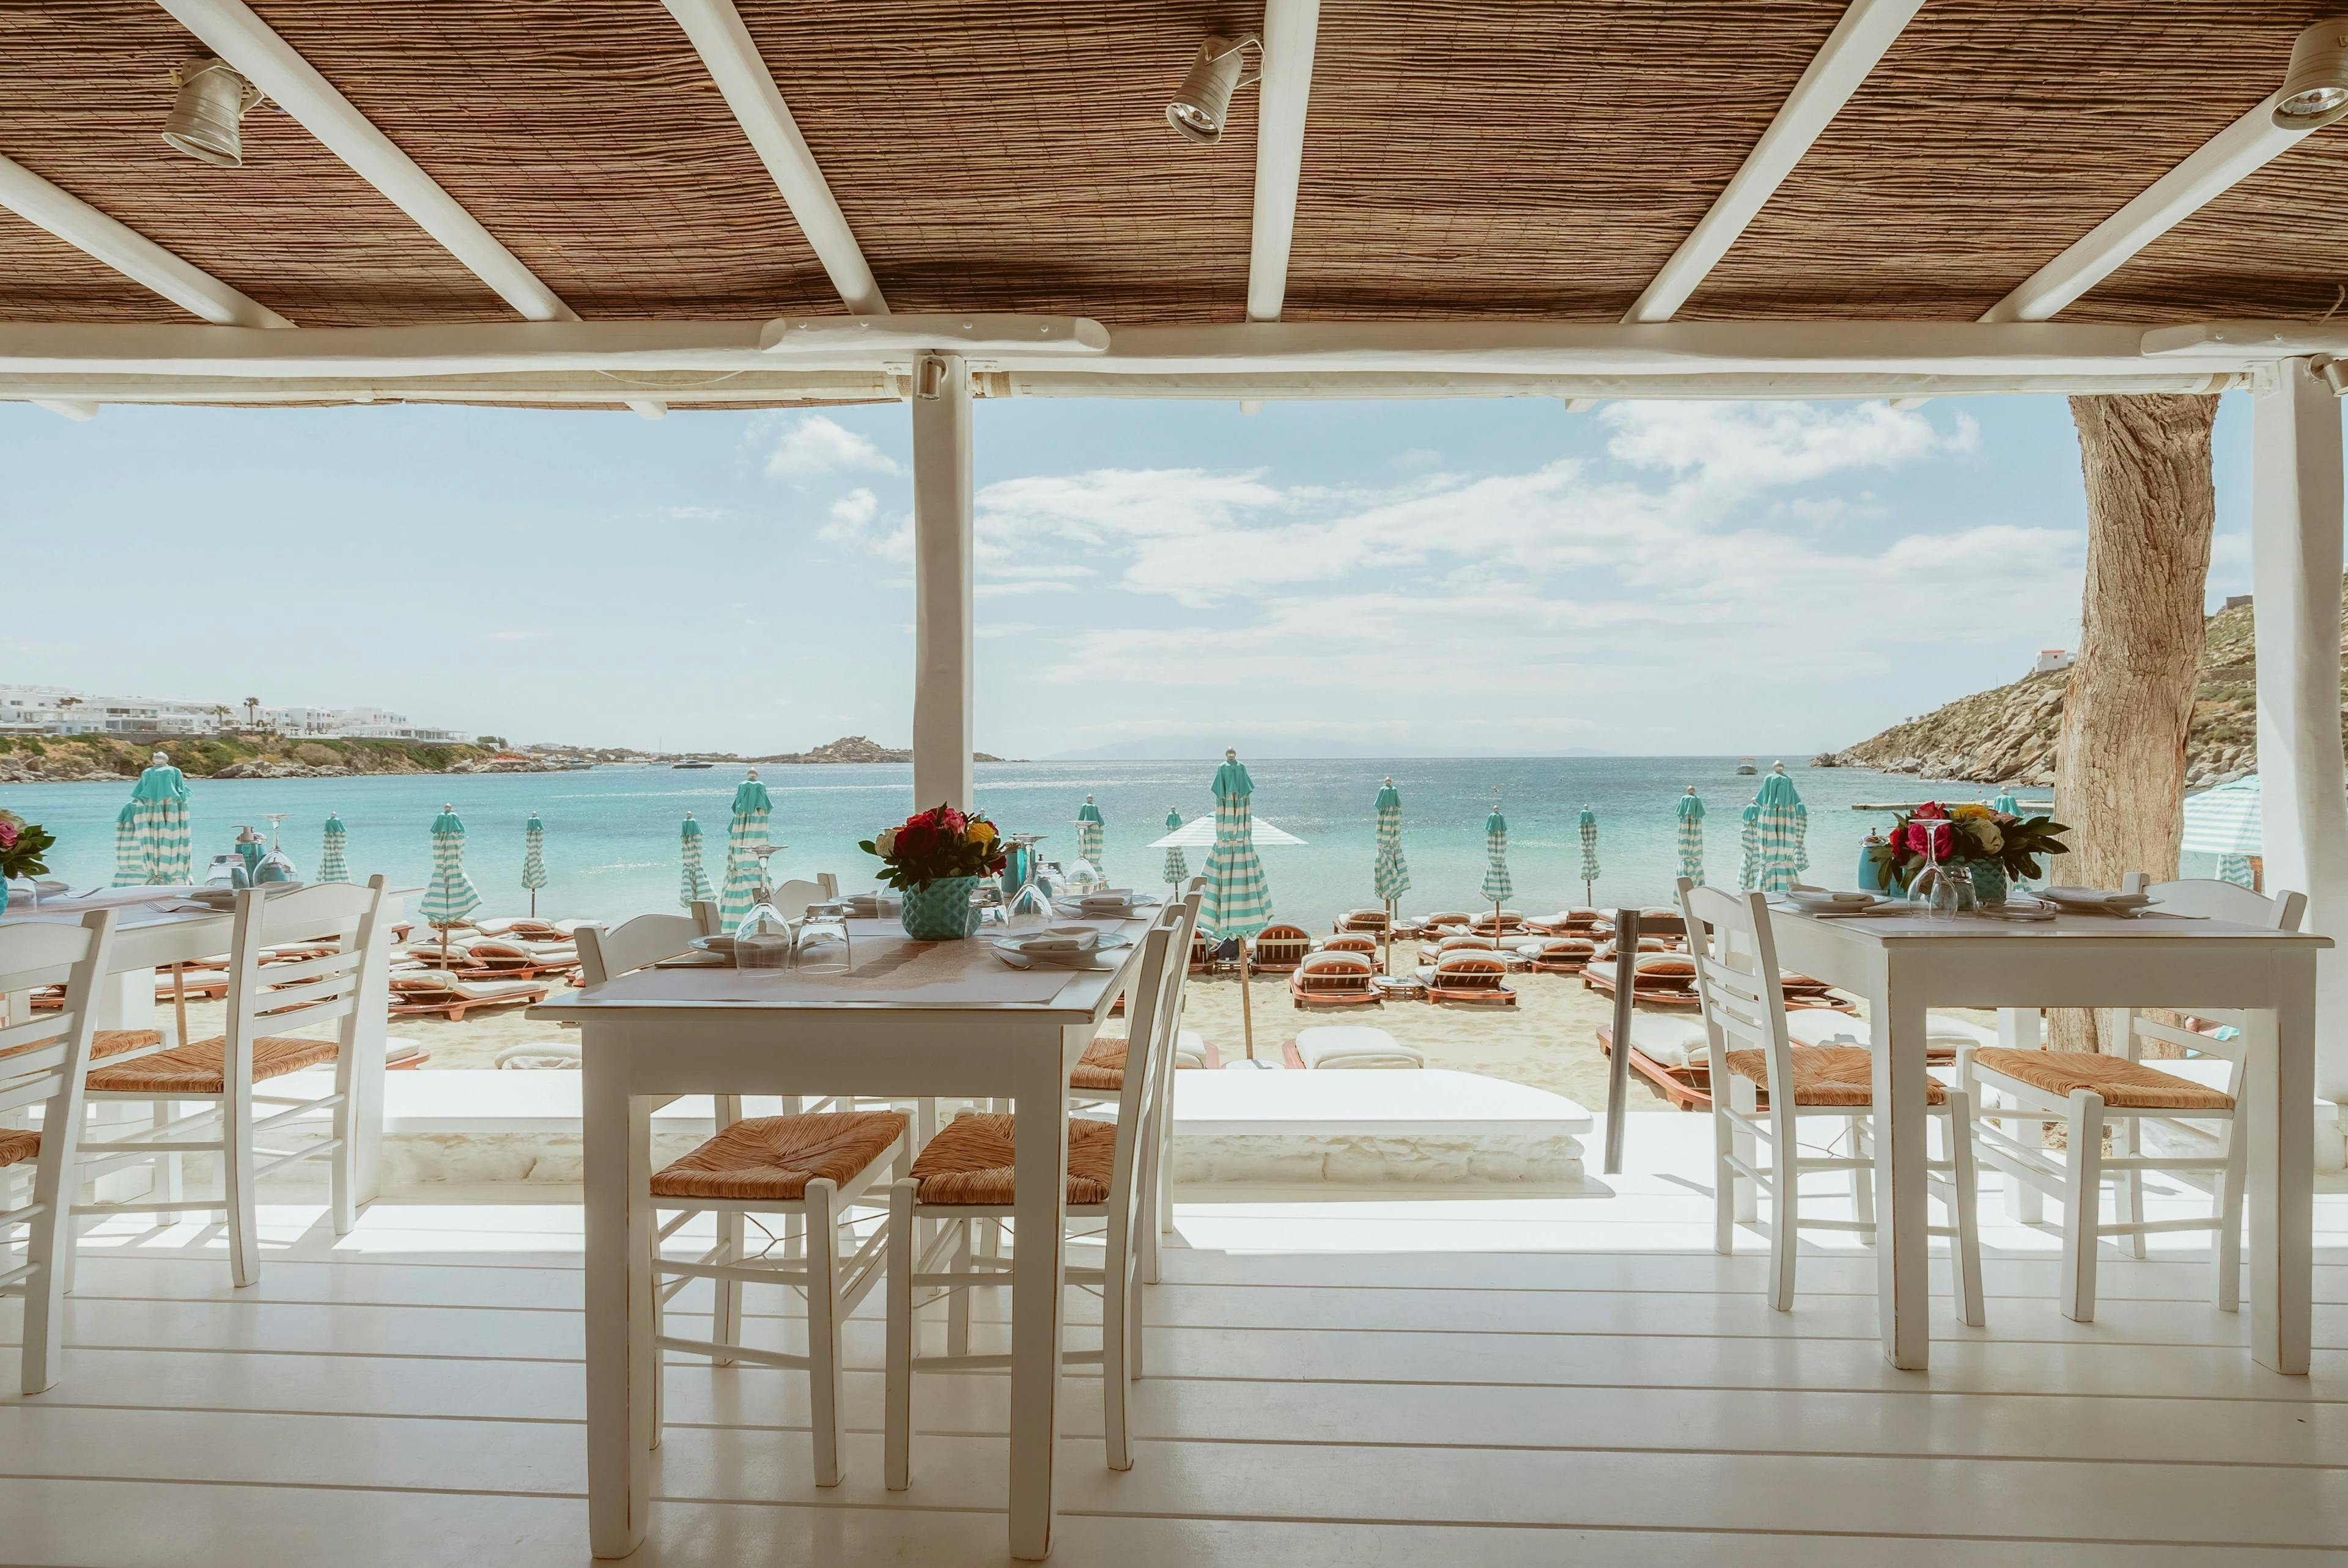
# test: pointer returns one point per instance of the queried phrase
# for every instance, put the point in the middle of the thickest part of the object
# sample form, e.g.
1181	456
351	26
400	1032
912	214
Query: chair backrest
646	939
284	997
1736	980
42	1055
792	897
1152	1008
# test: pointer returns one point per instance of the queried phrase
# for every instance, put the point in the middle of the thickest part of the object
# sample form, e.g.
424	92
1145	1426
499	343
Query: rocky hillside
44	759
2008	735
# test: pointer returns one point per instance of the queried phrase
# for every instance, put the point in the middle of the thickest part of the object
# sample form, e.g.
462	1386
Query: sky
1155	579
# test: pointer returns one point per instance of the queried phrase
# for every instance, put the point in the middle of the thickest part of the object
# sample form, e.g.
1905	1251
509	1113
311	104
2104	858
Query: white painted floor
1499	1382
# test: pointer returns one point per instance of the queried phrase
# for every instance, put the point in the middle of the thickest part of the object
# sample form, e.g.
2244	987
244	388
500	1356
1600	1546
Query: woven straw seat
201	1069
104	1042
1827	1075
970	1161
2128	1085
773	1158
17	1144
1102	1066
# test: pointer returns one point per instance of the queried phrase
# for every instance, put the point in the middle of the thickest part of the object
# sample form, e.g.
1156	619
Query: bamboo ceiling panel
586	135
1015	156
1997	132
84	87
1466	159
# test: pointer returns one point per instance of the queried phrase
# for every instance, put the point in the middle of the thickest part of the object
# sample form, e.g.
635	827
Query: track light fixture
1200	109
203	121
2315	93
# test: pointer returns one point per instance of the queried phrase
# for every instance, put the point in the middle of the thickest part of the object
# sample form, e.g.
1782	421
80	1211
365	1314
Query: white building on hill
358	724
60	710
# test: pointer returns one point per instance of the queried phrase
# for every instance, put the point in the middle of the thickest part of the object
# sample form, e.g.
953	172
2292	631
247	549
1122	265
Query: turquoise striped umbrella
744	834
1777	832
533	859
692	882
1178	864
1496	885
1238	901
1801	835
332	866
1091	833
129	859
2228	822
1390	876
1748	874
160	841
1588	822
449	897
2005	803
1690	837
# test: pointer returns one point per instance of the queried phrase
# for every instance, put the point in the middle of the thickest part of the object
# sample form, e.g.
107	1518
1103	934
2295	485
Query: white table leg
1903	1281
620	1354
2279	1074
1040	1176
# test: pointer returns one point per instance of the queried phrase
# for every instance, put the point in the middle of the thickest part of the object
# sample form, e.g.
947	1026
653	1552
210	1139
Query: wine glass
276	865
1030	905
763	938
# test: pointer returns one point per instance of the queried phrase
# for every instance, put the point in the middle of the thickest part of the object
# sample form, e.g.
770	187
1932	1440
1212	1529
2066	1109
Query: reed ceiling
1461	160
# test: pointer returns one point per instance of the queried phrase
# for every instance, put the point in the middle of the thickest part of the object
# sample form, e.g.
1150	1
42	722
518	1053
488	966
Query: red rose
1931	811
951	820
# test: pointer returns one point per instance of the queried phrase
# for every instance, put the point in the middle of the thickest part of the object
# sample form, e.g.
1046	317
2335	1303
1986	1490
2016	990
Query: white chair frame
264	1001
48	1055
1744	1008
833	1285
2077	1179
1152	1007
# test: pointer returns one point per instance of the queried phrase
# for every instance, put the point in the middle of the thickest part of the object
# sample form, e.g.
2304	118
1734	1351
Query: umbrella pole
180	1001
533	902
1247	1009
1388	934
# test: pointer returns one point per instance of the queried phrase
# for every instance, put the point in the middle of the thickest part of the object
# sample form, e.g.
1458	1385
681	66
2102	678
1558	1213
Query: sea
612	845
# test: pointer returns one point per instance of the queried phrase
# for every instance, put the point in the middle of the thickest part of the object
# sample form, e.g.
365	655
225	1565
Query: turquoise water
611	838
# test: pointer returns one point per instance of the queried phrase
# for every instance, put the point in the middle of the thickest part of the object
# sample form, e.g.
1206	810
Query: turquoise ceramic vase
1989	880
942	911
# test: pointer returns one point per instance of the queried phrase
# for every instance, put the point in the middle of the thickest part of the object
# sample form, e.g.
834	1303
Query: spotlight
2315	93
1204	102
203	120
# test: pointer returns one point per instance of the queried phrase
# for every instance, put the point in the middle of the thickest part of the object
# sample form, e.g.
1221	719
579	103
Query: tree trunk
2119	769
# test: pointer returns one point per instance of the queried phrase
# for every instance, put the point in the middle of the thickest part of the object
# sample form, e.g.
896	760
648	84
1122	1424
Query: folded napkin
1061	939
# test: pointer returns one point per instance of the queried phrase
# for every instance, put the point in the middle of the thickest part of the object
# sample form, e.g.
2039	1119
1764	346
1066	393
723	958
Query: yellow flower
1969	812
982	833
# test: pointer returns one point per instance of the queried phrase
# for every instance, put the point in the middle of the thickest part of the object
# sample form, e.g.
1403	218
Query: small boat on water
693	763
1746	766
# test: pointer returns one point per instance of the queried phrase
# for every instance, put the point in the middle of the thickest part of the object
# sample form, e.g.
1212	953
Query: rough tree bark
2120	769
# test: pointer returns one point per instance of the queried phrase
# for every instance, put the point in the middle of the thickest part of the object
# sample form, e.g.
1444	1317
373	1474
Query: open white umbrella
533	859
746	834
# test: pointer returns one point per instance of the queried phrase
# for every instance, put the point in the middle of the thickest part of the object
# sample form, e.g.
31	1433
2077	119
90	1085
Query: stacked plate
2094	901
1058	947
1107	904
1824	901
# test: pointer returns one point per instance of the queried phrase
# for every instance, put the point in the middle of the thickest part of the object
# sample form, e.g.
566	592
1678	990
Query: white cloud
813	444
849	518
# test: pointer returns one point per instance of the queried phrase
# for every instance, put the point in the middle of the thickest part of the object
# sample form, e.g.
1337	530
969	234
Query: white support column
942	728
2295	569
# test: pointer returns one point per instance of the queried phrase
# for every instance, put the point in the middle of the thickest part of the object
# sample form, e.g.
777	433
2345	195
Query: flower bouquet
1991	845
22	844
935	858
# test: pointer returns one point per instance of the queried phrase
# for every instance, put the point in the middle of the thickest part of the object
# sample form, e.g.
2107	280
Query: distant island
847	749
2008	735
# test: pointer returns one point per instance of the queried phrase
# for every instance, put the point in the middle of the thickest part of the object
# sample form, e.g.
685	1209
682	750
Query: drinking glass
763	938
822	947
1029	907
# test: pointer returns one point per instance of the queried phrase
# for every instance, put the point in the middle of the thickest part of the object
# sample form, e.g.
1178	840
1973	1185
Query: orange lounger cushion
773	1158
970	1160
202	1068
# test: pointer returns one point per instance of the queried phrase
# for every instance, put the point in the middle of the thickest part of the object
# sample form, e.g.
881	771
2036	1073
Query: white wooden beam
78	409
2225	160
1289	28
128	252
741	72
944	559
1849	53
231	30
2295	567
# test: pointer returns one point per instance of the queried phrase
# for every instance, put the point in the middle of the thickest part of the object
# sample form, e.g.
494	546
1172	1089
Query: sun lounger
1348	1046
1443	922
507	958
1335	979
1510	920
1457	942
1279	949
1668	1054
1660	979
1558	955
1943	1036
1202	953
1469	976
1371	920
438	992
1352	942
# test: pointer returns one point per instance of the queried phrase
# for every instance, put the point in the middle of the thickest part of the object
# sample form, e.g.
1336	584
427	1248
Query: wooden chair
2084	1091
810	1168
1746	1039
42	1057
965	1174
268	1007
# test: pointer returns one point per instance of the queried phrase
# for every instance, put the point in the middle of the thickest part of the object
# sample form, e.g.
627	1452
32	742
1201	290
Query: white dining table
1902	965
155	927
906	1019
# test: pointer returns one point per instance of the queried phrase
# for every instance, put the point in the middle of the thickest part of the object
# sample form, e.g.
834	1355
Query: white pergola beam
1289	28
724	46
78	409
2218	165
1849	53
128	252
231	30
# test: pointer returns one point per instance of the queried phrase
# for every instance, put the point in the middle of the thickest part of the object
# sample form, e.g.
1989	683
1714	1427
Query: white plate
1809	900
